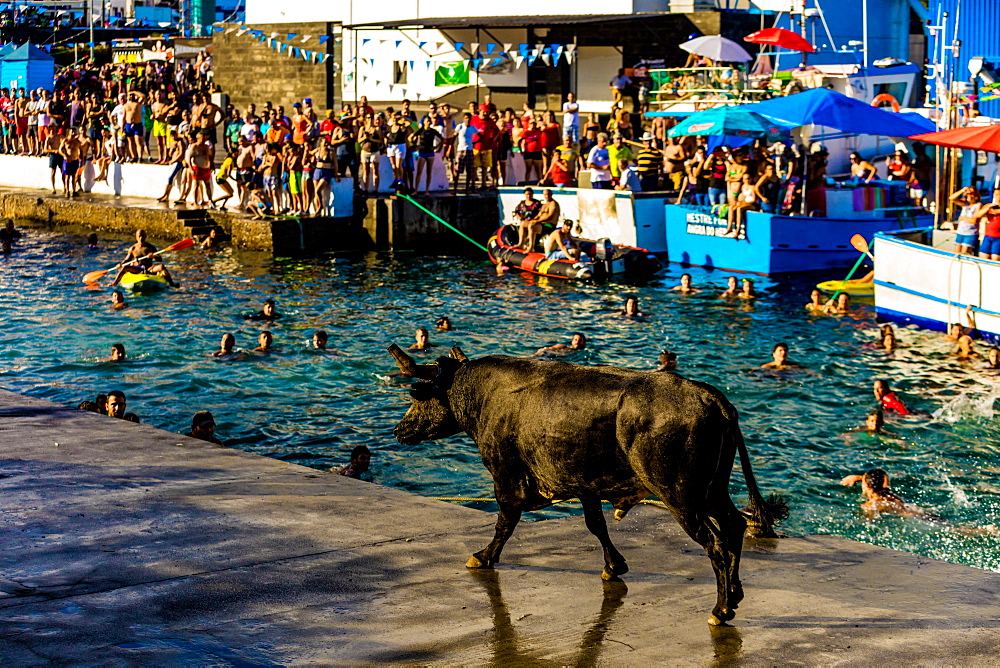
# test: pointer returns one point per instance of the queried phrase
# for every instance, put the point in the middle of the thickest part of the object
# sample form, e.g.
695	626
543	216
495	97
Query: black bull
553	430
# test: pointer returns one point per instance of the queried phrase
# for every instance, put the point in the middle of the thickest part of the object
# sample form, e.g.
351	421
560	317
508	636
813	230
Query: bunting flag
458	46
506	47
489	48
365	41
291	36
474	47
323	38
420	45
305	38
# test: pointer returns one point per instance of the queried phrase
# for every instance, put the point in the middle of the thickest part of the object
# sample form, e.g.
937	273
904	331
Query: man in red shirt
327	126
483	144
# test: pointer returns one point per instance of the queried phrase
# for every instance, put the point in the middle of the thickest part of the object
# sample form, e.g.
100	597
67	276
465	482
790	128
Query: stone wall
248	70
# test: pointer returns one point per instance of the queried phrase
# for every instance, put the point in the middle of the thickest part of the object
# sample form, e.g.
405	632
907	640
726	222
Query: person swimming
887	398
631	309
888	342
118	300
227	346
780	359
816	304
875	424
732	288
92	241
955	329
203	427
668	362
840	307
320	339
993	358
747	292
443	324
963	349
881	500
361	458
267	312
422	340
117	353
578	342
686	286
116	407
264	341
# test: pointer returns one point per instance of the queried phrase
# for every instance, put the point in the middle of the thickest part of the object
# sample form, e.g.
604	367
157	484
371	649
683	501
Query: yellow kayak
143	282
853	288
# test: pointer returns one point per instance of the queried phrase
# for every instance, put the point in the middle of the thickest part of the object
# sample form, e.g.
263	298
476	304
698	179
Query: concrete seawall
124	544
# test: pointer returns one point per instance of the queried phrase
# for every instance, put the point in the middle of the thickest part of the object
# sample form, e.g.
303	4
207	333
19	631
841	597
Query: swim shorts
323	174
396	151
201	173
244	176
967	239
133	129
159	129
483	158
990	246
271	183
69	167
295	182
22	126
55	161
426	155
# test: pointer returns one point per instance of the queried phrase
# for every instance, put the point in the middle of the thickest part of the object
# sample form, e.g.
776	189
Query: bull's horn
457	353
409	367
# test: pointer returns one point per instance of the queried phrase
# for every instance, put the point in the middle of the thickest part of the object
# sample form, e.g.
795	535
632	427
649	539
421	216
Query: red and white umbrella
780	37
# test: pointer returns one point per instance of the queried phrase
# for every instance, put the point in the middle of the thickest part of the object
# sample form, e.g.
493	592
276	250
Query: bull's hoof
474	562
720	617
620	514
612	572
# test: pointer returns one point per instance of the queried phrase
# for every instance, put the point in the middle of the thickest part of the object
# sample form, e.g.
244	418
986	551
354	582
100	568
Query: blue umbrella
729	121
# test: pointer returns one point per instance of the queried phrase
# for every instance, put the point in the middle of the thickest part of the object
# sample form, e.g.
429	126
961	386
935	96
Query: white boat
919	284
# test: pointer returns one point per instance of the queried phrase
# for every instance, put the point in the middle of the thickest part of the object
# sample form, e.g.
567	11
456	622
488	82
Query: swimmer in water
423	340
361	458
881	500
732	288
443	324
267	312
631	309
203	427
92	241
747	292
963	349
226	346
888	342
320	338
264	341
118	300
875	424
212	240
887	398
993	358
578	342
117	353
841	307
816	304
668	362
780	359
686	287
955	329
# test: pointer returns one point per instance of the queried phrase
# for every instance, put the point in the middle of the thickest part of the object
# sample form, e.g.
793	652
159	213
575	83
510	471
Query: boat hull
143	282
931	288
771	245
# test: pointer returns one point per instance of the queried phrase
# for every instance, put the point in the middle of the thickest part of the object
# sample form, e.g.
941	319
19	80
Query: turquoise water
311	408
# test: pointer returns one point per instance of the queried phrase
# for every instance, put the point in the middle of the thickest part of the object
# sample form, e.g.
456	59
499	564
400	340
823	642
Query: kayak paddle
95	276
861	245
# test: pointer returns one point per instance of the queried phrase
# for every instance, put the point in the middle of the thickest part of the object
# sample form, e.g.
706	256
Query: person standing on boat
599	163
673	166
649	163
525	213
735	170
768	188
862	171
618	151
990	247
967	237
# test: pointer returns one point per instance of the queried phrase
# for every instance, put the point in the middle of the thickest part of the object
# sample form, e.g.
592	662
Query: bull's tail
762	514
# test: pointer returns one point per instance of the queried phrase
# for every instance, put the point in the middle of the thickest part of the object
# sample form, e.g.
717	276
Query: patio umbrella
717	48
981	138
780	37
728	121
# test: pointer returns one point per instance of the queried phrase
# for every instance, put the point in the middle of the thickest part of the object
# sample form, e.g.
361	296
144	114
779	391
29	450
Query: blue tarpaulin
822	106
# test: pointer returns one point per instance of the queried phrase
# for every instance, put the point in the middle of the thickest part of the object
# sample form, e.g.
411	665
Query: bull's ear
457	354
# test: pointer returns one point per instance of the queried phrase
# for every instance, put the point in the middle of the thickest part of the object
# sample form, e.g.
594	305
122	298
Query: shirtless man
51	149
881	499
244	171
21	122
578	342
87	153
199	158
70	150
158	110
674	158
136	260
560	244
132	125
206	117
780	360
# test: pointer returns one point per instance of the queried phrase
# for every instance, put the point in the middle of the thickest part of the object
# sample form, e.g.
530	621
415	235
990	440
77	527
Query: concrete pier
124	544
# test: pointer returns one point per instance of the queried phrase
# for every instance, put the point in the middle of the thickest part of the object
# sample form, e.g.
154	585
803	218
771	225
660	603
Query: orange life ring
885	97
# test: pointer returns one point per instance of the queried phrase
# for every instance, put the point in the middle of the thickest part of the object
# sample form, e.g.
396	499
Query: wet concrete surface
126	545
